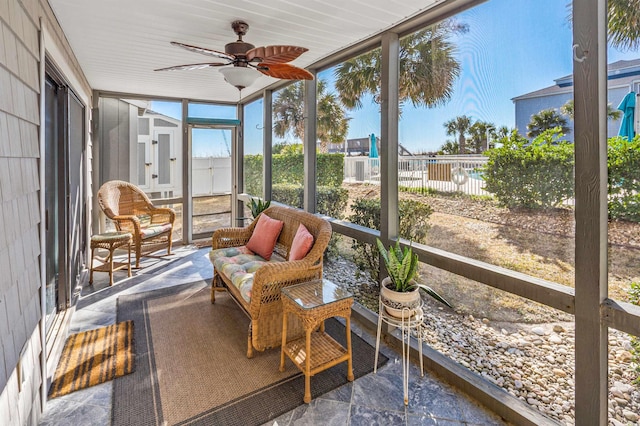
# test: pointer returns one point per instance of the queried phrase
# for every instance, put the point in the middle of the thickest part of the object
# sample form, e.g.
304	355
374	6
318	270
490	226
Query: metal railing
459	173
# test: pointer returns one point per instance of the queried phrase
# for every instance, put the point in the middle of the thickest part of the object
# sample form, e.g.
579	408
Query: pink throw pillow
302	243
264	236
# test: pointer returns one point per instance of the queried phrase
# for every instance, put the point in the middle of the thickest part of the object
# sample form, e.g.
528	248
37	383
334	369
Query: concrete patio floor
375	399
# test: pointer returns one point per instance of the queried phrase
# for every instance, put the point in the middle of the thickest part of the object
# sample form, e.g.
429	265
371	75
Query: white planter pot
399	304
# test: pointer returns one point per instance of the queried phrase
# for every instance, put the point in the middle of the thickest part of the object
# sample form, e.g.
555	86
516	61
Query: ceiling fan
248	59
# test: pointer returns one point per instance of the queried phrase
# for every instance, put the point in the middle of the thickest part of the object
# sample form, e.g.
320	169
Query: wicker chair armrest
162	215
269	279
230	237
130	223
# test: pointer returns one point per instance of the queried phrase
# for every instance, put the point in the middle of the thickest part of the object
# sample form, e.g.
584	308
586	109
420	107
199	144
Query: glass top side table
313	302
315	293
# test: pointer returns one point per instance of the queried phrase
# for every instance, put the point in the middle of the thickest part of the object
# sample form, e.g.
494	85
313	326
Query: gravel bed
534	363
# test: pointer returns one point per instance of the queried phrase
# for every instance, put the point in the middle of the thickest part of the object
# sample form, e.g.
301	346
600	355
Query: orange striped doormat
93	357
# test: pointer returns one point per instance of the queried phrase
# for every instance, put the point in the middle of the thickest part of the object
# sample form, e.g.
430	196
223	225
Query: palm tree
545	120
288	114
504	132
612	114
480	132
333	123
459	126
624	24
428	69
288	111
449	147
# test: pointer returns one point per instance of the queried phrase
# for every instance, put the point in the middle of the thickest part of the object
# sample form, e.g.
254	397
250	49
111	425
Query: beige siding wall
20	287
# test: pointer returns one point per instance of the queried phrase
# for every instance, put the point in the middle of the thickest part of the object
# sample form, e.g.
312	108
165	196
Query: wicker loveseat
130	210
262	301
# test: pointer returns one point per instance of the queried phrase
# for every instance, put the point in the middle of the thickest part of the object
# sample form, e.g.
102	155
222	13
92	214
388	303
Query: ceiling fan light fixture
248	62
240	77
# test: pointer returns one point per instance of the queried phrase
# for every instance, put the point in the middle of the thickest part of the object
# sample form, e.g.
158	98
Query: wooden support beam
621	316
310	138
590	129
267	134
389	106
187	199
237	156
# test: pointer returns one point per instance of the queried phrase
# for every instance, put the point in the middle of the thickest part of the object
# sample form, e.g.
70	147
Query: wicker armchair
130	209
265	308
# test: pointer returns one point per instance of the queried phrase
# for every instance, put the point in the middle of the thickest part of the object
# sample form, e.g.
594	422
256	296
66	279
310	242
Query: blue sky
512	47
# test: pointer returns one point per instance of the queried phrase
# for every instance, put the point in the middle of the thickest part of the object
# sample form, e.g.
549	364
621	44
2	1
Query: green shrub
289	194
414	220
331	201
366	212
330	169
540	174
414	225
253	175
422	190
288	168
624	178
536	174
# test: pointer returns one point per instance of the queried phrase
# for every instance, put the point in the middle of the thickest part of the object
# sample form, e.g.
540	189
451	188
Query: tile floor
375	399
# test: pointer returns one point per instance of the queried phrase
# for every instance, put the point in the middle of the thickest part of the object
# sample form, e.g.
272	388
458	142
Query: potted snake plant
399	292
258	206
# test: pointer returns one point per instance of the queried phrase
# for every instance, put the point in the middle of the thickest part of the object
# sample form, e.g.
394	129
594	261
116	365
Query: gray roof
619	73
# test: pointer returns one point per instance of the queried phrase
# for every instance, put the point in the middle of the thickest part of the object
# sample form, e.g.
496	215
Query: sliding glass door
64	194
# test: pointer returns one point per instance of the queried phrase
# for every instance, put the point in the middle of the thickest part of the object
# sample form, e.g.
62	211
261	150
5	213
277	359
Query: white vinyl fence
459	173
211	175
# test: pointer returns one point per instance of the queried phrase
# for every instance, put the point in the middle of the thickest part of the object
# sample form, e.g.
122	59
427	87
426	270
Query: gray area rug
192	369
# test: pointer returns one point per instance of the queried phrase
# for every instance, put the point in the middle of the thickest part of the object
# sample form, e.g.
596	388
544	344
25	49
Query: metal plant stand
407	325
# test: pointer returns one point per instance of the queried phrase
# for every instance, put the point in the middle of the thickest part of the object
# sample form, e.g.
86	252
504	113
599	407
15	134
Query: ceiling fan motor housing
238	48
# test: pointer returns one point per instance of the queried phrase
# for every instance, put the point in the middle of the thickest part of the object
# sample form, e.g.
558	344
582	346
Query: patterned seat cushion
239	264
152	230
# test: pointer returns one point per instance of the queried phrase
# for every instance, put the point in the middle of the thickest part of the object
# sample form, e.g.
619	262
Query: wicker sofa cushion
152	230
239	264
302	243
264	236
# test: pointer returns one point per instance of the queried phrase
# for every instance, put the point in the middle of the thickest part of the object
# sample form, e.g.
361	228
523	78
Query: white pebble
630	415
538	330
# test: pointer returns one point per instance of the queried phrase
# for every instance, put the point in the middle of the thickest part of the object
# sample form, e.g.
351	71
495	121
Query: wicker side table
313	302
110	241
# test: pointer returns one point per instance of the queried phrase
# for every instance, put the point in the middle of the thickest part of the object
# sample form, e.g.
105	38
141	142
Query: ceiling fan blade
275	54
204	51
189	67
284	71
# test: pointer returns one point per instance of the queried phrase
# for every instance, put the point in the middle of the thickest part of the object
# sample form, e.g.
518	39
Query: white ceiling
120	42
